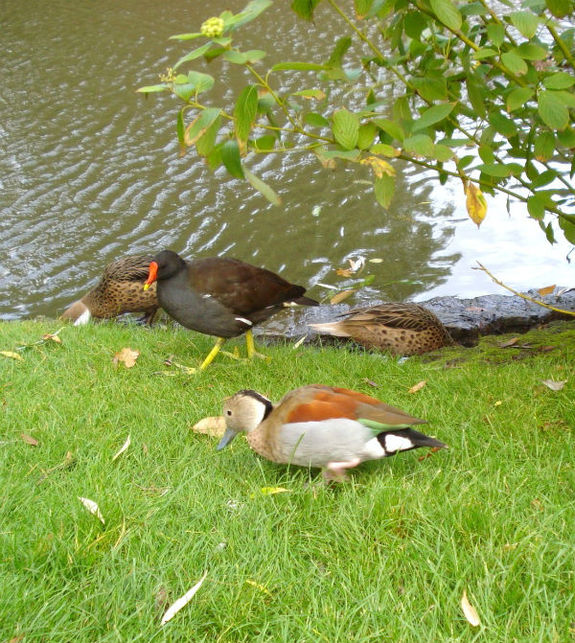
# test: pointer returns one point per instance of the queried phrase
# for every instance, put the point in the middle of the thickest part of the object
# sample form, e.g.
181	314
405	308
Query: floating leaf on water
376	260
546	291
344	294
12	355
469	611
93	508
127	356
183	601
553	385
124	447
214	426
29	439
417	387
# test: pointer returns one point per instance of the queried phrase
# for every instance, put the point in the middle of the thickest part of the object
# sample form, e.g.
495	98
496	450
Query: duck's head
164	265
243	412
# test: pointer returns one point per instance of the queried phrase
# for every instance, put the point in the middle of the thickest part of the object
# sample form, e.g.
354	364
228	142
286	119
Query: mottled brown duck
219	296
322	426
120	290
402	329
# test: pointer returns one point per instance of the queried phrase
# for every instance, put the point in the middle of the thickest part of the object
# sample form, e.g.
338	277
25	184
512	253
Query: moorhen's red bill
219	296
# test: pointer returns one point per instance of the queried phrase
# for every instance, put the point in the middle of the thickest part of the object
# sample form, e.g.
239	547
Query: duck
119	291
328	427
220	296
400	328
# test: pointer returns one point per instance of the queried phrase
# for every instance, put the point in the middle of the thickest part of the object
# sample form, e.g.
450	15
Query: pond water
89	171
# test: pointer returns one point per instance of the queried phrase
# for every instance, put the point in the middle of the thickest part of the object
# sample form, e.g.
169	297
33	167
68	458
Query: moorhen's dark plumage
219	296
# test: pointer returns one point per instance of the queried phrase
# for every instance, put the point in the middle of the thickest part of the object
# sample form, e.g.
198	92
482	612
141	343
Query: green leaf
186	36
316	120
318	94
525	22
476	95
299	66
568	228
530	51
503	125
253	55
325	155
270	194
514	63
552	110
305	8
498	170
235	57
415	23
196	53
431	89
230	153
366	135
486	154
206	142
560	8
180	126
384	188
496	33
345	128
385	150
419	145
536	206
391	127
442	153
266	142
245	112
151	89
567	98
518	97
198	127
544	146
566	138
432	115
484	52
251	11
447	13
341	46
559	80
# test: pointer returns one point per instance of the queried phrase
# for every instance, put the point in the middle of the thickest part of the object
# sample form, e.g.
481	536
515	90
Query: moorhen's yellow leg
251	347
215	350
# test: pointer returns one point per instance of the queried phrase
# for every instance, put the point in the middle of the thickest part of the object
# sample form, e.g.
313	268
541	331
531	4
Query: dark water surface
89	171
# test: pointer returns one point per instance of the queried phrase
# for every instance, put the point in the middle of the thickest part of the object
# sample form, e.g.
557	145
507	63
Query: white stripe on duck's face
394	443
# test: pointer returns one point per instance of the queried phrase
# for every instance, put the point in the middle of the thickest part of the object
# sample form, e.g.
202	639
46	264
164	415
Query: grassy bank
384	557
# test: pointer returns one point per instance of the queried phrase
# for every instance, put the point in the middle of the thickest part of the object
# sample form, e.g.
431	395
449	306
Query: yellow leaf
127	356
52	337
344	294
214	426
476	203
12	355
546	291
379	166
261	587
270	491
469	611
417	387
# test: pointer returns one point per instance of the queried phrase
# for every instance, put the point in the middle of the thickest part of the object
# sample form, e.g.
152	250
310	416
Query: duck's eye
228	412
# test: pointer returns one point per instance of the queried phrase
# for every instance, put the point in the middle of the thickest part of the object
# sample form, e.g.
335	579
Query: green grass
383	557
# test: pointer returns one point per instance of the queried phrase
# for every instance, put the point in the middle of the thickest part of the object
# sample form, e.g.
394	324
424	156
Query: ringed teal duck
322	426
119	291
219	296
402	329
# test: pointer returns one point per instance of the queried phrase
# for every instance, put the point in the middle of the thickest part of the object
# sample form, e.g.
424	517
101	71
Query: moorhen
402	329
219	296
119	291
322	426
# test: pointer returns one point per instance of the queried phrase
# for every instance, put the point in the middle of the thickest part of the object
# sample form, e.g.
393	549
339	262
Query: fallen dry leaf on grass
127	356
259	586
469	611
12	355
29	439
553	385
183	601
417	387
509	342
214	426
123	448
52	337
93	508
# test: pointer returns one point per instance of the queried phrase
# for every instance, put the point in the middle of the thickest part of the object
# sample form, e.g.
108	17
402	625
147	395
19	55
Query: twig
526	297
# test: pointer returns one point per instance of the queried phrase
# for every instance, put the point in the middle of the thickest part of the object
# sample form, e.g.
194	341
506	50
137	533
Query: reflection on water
89	171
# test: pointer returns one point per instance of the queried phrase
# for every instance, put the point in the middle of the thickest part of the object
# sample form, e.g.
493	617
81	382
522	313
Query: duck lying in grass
322	426
119	291
402	329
